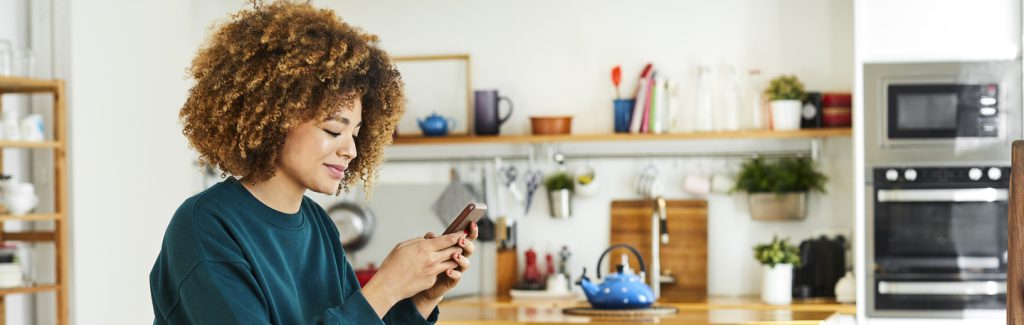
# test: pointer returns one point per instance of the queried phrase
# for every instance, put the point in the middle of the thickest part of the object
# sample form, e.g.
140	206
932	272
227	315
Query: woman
289	98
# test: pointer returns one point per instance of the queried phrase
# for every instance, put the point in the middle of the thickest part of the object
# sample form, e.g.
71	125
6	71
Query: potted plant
778	188
777	259
560	187
786	94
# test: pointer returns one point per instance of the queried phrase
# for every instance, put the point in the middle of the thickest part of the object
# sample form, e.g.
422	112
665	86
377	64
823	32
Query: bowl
553	124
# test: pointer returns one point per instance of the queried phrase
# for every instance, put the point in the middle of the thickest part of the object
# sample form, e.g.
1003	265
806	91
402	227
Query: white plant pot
777	284
786	115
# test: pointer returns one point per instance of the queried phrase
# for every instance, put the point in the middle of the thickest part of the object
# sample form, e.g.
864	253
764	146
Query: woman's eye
333	134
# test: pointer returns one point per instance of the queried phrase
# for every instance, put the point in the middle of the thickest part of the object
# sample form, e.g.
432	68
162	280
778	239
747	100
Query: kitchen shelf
59	235
733	135
30	144
10	85
30	289
30	217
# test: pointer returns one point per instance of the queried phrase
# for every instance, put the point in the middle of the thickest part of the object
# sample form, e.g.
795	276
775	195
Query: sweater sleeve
227	293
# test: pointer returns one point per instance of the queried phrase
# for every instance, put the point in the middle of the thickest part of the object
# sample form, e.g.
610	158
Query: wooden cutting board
686	254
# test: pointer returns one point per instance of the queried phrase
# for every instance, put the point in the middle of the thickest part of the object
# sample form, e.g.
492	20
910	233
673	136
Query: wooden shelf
30	144
27	85
737	135
31	289
31	217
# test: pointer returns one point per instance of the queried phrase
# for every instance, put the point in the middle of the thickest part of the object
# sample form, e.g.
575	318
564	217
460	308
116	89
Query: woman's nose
348	149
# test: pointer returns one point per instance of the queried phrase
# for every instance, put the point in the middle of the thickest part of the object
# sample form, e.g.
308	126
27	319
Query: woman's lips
336	171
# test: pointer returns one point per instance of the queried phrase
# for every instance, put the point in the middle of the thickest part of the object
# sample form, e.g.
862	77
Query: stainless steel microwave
950	112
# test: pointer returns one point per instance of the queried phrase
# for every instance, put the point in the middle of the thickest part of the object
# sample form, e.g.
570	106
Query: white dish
541	295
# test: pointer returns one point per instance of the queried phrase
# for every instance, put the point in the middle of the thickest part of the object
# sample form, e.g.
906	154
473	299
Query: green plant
779	251
559	181
780	176
785	87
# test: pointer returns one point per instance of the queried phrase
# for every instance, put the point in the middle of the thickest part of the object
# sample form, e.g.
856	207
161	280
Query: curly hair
270	68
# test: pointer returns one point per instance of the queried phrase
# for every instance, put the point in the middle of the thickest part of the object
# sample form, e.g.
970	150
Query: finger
474	231
443	266
454	274
429	235
442	242
447	253
468	247
463	262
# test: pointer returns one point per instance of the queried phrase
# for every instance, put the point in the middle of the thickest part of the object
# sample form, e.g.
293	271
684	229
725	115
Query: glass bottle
702	108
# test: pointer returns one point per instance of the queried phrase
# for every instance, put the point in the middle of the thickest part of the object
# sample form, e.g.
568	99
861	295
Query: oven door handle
943	195
987	288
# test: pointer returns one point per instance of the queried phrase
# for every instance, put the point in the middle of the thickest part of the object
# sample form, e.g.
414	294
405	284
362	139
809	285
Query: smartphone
472	213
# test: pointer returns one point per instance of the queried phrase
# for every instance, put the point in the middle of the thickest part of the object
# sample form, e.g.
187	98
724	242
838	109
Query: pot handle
630	248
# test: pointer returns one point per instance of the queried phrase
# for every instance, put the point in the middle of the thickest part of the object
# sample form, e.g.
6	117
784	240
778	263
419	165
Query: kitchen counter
489	310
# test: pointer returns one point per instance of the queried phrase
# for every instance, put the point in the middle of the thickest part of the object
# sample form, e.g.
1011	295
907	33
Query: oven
937	241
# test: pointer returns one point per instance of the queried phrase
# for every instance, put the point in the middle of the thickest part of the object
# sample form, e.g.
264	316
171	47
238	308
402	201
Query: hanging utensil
616	79
355	224
532	184
453	199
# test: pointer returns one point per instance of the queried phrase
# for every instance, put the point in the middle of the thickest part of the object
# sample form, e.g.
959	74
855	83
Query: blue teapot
436	125
620	290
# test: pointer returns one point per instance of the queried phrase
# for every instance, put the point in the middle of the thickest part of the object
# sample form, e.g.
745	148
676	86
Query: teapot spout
589	288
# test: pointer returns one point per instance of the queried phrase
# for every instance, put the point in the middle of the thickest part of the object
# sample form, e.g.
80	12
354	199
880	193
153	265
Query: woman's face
316	153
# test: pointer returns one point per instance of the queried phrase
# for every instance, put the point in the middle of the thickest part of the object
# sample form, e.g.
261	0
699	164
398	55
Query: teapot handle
630	248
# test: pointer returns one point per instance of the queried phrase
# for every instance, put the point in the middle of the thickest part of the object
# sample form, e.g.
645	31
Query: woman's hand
411	267
429	298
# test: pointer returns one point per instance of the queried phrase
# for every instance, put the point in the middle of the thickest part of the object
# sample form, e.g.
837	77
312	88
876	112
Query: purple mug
485	111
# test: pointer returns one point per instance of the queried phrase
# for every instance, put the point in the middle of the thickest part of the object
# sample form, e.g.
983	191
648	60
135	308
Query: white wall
554	57
904	31
130	168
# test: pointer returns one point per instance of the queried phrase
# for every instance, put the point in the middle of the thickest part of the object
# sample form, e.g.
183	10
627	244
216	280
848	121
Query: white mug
697	184
722	183
20	204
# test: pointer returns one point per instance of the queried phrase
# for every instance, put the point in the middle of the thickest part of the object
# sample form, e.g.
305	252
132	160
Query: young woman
289	98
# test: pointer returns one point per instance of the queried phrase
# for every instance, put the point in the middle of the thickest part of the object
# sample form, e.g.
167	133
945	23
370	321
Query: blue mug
623	114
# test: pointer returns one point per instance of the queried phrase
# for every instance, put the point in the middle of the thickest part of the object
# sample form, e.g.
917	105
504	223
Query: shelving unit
59	216
736	135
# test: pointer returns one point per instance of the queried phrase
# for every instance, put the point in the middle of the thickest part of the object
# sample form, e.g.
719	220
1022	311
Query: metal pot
778	206
560	202
355	224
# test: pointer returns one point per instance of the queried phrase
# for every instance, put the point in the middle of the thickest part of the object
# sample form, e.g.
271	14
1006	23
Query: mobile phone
472	213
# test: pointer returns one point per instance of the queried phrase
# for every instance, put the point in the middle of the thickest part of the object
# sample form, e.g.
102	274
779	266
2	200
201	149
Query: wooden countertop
489	310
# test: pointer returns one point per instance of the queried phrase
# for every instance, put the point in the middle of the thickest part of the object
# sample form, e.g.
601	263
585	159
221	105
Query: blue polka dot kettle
620	290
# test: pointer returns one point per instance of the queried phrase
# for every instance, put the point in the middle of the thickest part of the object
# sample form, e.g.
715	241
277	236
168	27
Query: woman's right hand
411	267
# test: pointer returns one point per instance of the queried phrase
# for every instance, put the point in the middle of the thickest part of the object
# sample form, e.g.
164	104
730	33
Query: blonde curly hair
270	68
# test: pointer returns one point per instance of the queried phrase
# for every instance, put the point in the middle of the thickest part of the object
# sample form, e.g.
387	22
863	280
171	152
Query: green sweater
229	259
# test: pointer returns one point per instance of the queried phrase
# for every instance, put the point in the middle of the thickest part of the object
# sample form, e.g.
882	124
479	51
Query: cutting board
686	254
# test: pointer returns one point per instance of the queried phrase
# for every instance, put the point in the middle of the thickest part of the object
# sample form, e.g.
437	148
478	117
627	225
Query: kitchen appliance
937	241
822	264
620	290
951	112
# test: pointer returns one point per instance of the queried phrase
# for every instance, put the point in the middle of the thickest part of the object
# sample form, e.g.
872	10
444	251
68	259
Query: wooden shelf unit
516	139
59	234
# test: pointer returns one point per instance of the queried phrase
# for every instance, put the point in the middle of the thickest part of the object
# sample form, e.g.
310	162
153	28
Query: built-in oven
951	112
937	241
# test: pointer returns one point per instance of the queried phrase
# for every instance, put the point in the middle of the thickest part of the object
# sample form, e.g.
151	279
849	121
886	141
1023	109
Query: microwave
958	112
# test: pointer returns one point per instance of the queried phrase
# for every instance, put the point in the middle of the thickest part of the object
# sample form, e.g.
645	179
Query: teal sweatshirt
229	259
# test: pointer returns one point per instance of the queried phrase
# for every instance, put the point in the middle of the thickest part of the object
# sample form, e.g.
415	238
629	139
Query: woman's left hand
449	279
